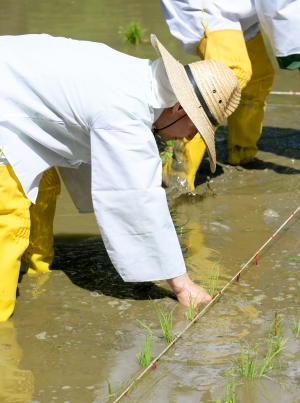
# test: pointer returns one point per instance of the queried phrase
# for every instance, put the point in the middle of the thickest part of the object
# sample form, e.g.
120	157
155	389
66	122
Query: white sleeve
184	18
130	204
281	21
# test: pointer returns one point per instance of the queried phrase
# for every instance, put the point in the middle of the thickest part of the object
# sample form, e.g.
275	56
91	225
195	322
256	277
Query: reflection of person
228	31
64	102
16	385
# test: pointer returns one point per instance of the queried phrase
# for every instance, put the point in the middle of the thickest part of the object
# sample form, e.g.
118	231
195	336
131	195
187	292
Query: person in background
229	31
77	104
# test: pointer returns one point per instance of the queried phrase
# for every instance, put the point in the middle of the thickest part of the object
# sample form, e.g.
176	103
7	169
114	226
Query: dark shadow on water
279	141
86	263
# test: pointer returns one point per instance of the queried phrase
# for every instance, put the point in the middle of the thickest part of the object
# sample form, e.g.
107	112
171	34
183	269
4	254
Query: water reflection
231	225
16	385
92	20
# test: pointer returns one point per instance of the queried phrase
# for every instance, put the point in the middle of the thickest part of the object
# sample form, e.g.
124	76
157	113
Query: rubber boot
180	171
245	124
39	255
14	237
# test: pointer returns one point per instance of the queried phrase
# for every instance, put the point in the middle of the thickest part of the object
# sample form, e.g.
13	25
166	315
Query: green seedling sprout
144	357
192	311
296	326
124	383
230	392
250	367
166	322
133	33
165	149
248	363
110	392
276	339
276	343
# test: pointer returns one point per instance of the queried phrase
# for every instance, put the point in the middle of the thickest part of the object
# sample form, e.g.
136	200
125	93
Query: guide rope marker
153	365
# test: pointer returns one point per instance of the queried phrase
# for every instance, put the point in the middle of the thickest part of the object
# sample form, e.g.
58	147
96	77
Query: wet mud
75	332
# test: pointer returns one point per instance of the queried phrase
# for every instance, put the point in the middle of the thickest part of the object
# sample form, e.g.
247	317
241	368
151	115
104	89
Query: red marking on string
218	293
238	276
270	237
153	366
290	216
256	259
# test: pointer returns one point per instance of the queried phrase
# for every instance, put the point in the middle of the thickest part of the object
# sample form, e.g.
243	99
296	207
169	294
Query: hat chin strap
155	130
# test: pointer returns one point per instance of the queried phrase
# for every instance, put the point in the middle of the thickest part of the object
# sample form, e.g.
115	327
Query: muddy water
77	327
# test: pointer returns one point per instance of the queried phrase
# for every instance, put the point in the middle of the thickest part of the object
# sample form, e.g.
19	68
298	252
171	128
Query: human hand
186	290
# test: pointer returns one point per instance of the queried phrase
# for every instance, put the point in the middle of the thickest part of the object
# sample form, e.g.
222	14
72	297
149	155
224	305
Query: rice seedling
133	33
276	339
110	392
179	227
230	392
166	322
144	357
250	366
166	149
296	326
192	311
213	279
276	343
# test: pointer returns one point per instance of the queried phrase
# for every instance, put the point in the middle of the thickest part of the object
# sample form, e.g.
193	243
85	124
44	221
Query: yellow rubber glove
227	46
39	255
245	124
180	171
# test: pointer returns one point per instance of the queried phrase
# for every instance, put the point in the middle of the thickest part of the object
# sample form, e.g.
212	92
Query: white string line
198	316
284	93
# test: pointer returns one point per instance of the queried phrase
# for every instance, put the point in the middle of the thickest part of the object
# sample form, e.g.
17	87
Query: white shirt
63	102
185	17
279	18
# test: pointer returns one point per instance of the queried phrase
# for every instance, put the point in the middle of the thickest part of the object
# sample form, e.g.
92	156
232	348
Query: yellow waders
245	124
39	255
16	238
249	61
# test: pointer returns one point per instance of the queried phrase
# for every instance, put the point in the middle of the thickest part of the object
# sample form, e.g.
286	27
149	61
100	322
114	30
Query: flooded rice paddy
76	332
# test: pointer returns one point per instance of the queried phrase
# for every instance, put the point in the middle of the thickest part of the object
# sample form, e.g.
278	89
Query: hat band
188	71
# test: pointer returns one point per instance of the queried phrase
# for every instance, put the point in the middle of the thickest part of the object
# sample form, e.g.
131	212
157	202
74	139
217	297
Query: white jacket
279	18
63	102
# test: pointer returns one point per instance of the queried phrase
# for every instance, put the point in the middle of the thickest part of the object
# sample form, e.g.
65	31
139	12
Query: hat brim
188	100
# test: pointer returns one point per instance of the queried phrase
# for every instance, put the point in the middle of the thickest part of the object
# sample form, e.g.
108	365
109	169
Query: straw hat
207	90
